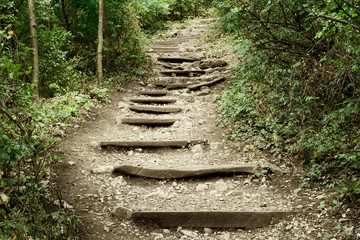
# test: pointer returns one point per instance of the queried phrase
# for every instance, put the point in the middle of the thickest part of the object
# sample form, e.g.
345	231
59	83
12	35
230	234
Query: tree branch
338	20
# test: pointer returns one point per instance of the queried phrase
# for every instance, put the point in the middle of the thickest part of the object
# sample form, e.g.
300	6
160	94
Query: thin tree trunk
67	24
101	42
107	38
34	42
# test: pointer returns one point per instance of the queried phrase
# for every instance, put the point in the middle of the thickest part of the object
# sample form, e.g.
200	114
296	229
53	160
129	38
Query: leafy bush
298	88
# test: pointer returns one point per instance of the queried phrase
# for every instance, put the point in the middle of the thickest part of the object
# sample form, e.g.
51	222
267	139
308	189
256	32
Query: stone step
186	172
148	121
151	144
205	219
154	109
153	100
179	59
198	86
153	93
168	80
189	73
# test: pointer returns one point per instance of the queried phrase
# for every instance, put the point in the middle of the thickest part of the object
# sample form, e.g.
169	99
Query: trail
166	127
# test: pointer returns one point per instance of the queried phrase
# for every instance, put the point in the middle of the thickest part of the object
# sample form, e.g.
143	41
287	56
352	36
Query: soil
94	193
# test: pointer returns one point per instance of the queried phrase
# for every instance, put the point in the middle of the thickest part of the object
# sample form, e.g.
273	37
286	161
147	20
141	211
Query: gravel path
95	193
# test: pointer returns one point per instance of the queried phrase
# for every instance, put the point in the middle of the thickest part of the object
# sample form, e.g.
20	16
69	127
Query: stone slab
151	144
185	172
154	109
198	86
148	121
153	100
210	219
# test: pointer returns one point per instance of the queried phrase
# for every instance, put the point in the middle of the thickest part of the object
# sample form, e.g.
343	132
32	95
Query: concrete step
151	144
154	109
153	100
185	172
148	121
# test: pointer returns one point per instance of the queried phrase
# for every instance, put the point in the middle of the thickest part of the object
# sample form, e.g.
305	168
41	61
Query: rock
130	153
167	231
204	92
142	83
119	181
102	169
189	233
208	230
122	213
212	63
71	163
122	105
64	204
201	187
196	149
221	186
94	144
296	191
196	156
213	145
176	124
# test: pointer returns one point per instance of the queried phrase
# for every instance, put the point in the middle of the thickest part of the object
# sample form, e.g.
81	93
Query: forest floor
95	194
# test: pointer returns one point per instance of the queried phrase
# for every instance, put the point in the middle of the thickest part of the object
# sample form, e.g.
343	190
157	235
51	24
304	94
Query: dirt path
98	196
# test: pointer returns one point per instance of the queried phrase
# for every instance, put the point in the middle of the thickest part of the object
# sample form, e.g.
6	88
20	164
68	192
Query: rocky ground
96	194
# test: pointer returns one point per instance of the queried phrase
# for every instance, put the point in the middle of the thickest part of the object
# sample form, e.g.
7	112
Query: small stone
201	187
196	149
221	186
189	233
167	231
130	153
71	163
196	156
102	169
142	83
296	191
139	150
213	146
208	230
93	144
122	105
122	213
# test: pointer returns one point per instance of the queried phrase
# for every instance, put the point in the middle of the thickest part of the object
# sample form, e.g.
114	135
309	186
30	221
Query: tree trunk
67	24
34	42
101	42
107	38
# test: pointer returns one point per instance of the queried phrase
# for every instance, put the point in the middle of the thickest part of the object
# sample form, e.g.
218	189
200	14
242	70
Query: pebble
208	230
196	149
221	186
196	156
167	231
189	233
130	153
201	187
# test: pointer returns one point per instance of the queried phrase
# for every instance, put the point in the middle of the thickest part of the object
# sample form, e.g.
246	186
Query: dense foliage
298	87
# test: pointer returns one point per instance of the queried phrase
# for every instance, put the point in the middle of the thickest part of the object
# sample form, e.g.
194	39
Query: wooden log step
179	59
208	219
182	72
171	86
153	93
154	109
153	100
151	144
185	172
172	49
178	85
148	121
198	86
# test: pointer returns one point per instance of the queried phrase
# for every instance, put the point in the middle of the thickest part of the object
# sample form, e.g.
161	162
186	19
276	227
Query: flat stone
184	172
208	230
196	149
150	144
221	186
210	219
201	187
154	109
189	233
